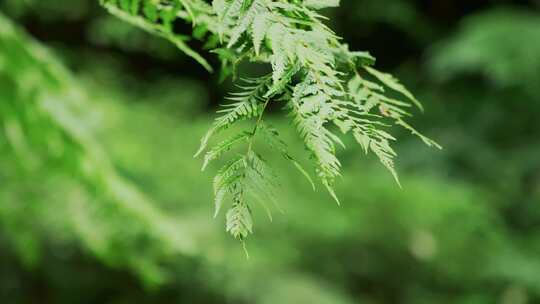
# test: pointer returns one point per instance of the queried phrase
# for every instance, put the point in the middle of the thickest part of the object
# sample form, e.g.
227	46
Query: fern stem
257	125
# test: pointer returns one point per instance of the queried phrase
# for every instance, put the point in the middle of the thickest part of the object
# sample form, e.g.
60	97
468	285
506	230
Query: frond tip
239	220
247	177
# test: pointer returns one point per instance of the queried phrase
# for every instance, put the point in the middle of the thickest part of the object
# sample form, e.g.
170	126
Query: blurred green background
101	200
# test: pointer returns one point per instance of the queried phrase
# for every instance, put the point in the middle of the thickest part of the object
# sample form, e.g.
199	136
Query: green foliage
46	11
42	109
309	66
498	44
156	19
464	230
46	128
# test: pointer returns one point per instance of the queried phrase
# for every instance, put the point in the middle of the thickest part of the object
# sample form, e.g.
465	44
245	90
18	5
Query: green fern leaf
223	147
239	220
247	104
271	136
258	28
227	180
256	9
318	4
392	82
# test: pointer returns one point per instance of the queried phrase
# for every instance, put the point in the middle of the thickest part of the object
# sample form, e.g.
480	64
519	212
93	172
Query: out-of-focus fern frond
45	126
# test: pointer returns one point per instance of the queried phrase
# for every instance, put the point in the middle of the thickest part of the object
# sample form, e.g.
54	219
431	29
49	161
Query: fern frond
271	136
318	4
258	29
370	96
246	20
246	104
223	147
393	83
261	178
245	176
313	73
227	180
309	114
147	19
239	220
